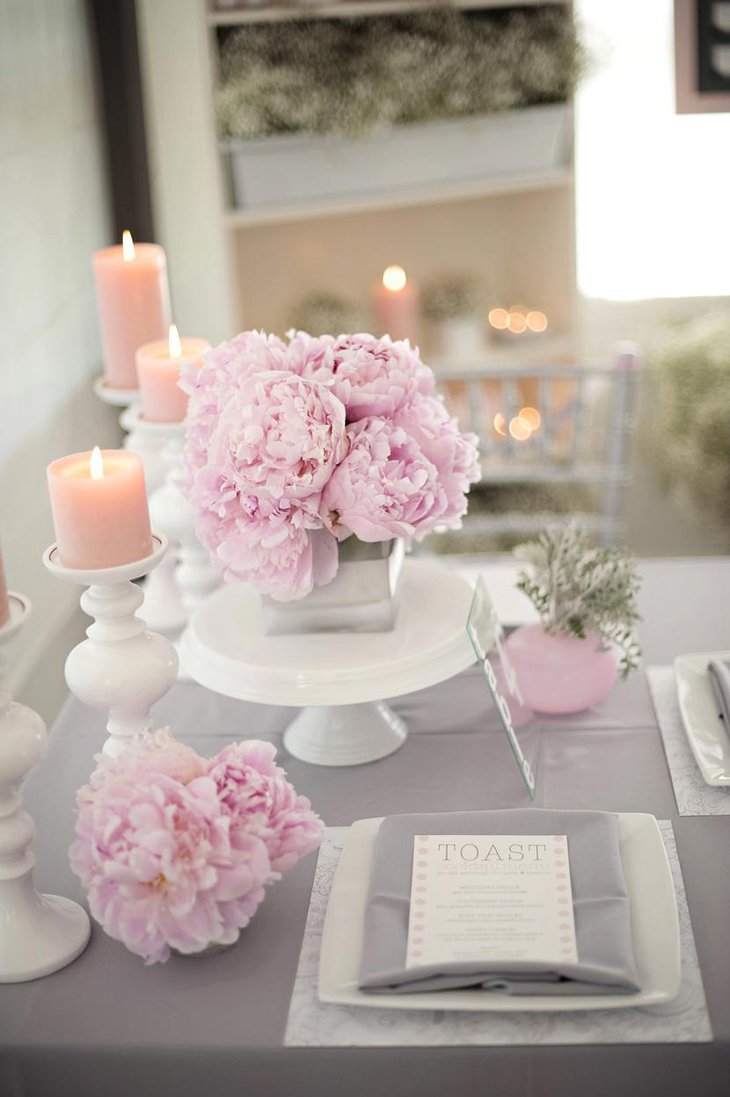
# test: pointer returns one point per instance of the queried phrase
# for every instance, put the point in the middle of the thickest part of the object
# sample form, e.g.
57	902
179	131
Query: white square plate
705	730
654	925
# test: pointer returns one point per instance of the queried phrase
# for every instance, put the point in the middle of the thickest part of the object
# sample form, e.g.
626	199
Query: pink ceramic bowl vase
558	675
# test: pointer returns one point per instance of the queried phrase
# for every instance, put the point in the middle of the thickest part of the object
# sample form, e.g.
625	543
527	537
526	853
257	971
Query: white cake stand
338	679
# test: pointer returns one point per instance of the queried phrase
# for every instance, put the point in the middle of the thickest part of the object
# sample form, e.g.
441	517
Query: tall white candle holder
195	574
148	441
121	666
163	604
40	933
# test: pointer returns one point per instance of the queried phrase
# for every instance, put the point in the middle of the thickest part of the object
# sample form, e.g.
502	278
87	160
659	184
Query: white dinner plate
654	924
705	730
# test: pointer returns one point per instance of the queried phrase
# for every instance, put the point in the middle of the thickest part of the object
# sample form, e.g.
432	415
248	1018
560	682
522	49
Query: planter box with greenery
331	109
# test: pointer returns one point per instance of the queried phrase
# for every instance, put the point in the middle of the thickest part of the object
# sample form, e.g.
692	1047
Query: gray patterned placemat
312	1024
693	796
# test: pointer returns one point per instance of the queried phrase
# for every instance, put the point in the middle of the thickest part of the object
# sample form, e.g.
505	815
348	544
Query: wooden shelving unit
234	268
356	9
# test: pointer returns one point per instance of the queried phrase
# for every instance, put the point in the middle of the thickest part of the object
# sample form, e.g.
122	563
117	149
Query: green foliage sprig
451	295
322	313
577	589
354	77
687	432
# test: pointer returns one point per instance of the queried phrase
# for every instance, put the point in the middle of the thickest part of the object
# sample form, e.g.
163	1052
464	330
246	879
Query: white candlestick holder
148	441
121	666
40	933
195	574
163	603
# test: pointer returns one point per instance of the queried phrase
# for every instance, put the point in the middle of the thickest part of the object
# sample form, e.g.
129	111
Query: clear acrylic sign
487	638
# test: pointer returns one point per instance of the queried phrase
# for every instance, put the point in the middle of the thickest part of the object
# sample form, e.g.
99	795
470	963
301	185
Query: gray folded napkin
719	672
600	905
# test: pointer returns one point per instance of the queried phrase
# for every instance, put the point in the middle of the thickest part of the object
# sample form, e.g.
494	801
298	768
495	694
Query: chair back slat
586	417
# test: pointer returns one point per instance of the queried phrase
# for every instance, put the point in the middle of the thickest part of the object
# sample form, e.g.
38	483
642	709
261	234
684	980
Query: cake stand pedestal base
345	735
338	680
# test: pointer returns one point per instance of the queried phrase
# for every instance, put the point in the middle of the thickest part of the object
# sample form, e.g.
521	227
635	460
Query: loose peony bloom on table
261	801
175	851
291	446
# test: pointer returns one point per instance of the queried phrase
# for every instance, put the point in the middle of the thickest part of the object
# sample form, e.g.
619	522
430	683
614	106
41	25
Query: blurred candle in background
158	373
99	506
133	300
395	305
4	602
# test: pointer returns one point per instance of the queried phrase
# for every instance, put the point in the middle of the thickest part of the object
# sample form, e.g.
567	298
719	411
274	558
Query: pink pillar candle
158	373
395	305
134	305
4	601
99	505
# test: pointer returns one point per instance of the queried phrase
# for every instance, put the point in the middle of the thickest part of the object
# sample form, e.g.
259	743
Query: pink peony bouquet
175	851
294	446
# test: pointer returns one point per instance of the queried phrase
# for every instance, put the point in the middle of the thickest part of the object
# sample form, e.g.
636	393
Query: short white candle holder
196	576
40	933
121	666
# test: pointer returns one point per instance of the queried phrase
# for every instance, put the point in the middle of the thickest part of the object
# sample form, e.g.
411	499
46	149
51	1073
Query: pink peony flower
279	436
257	489
454	453
282	557
370	376
157	860
385	487
261	801
226	367
267	467
175	851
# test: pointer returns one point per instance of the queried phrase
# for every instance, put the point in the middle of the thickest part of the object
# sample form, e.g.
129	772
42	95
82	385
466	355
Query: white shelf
354	9
421	196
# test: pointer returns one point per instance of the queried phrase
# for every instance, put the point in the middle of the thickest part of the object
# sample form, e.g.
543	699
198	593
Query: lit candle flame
394	278
173	342
96	464
127	246
498	318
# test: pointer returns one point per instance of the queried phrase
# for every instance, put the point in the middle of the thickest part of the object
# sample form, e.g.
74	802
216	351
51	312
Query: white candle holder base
40	933
116	398
121	666
345	735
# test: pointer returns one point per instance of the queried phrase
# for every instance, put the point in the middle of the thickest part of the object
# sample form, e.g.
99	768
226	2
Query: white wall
53	214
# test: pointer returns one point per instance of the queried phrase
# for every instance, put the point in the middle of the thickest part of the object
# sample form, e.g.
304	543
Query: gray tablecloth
108	1026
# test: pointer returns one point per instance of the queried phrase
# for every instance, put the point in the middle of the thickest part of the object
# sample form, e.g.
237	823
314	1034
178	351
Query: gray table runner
107	1026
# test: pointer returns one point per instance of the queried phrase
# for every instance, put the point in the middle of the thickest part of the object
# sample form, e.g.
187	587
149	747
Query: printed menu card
490	898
